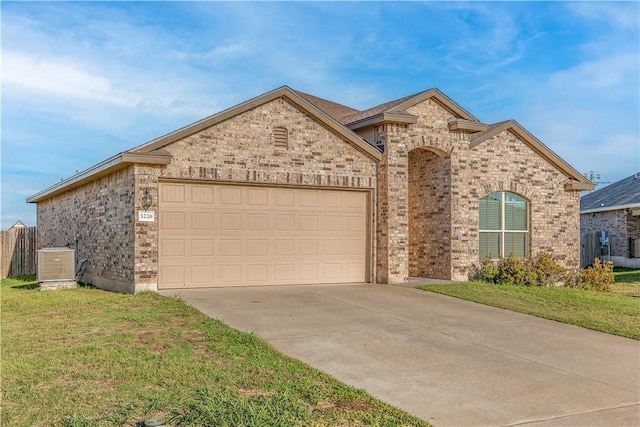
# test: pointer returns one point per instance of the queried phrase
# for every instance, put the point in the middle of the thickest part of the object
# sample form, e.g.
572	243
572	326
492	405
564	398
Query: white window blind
504	225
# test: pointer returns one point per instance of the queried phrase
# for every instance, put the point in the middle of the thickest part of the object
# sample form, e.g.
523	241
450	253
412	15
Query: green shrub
543	270
515	271
598	277
488	271
547	271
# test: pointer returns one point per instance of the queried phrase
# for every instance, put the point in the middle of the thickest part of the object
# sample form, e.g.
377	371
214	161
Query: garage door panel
230	247
214	234
258	221
257	197
284	197
284	272
285	246
258	273
285	222
172	193
230	195
332	271
257	247
202	247
355	247
202	220
173	275
173	220
355	270
202	273
201	194
172	247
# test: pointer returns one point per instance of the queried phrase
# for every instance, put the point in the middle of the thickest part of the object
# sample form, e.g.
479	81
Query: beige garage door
225	235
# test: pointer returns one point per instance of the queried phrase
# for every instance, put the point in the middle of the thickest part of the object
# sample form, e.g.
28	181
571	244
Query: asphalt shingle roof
332	109
621	193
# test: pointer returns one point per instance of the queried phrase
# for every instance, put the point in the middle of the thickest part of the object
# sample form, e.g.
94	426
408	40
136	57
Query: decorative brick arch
524	190
441	145
435	150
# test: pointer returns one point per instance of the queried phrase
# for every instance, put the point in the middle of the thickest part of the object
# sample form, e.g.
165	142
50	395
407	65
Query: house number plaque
147	216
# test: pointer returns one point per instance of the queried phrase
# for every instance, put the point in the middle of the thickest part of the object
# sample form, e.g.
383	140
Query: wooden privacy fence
591	248
18	256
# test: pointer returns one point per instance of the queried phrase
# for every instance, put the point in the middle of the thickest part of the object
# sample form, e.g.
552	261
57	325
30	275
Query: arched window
280	138
504	225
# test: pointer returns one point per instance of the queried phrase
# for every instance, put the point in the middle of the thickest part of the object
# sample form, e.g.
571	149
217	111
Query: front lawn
608	312
85	357
627	281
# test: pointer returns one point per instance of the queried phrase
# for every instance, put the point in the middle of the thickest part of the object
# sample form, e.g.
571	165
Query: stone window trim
280	138
504	225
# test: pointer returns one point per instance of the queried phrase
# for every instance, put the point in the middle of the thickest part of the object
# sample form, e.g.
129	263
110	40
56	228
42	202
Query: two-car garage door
225	235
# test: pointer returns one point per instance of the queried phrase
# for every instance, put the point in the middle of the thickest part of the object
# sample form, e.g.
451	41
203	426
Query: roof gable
284	91
152	152
577	181
395	111
619	195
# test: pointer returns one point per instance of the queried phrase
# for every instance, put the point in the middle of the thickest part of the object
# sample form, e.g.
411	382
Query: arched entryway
429	174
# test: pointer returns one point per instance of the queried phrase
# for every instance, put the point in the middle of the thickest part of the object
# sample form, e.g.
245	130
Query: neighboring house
616	210
18	224
288	188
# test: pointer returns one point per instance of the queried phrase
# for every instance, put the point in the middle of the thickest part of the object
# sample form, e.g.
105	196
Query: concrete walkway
448	361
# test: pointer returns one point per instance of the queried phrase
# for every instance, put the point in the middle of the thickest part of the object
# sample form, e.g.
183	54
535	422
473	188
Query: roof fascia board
632	206
112	164
103	168
572	185
456	123
440	97
153	158
386	117
539	147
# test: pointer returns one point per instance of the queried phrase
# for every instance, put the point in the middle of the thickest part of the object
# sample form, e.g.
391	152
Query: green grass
627	281
608	312
85	357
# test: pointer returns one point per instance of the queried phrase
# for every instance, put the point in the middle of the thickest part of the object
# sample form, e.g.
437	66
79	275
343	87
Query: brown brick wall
102	213
616	223
146	233
429	215
633	226
241	149
506	163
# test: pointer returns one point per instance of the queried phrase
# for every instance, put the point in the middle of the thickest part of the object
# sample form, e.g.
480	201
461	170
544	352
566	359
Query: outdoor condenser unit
56	268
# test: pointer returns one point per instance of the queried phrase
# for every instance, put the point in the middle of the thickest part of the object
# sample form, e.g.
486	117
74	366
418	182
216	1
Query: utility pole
595	178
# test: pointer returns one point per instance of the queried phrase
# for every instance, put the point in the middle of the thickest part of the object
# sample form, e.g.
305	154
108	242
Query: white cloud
59	77
611	75
620	14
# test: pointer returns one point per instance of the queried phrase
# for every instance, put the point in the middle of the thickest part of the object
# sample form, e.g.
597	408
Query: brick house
616	210
290	188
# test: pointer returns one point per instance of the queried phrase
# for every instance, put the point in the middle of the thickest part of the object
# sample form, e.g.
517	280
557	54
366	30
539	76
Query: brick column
393	197
146	233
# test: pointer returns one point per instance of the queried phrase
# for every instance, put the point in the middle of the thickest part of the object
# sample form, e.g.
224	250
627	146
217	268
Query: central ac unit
56	268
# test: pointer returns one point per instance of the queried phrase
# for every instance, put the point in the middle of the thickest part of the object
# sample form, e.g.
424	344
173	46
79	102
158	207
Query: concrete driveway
450	362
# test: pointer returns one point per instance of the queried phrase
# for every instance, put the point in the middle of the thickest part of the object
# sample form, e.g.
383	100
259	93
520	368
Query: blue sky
84	81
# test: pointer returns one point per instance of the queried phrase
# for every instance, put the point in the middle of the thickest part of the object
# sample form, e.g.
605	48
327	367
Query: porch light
147	200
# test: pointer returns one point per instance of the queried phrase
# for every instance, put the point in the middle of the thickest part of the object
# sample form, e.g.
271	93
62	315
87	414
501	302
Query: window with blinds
504	225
